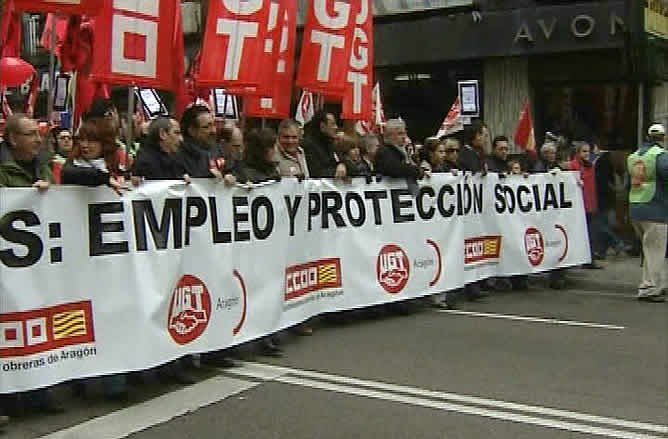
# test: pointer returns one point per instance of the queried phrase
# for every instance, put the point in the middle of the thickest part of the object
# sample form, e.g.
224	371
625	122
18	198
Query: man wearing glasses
23	161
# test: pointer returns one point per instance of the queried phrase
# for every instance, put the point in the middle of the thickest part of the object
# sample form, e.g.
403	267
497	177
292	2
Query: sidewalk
619	274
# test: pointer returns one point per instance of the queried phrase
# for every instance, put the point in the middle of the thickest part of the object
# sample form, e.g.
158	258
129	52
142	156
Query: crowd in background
197	146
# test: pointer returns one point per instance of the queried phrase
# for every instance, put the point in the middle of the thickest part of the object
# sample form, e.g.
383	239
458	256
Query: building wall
506	91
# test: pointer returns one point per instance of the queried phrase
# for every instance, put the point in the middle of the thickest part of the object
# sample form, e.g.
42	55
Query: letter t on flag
233	45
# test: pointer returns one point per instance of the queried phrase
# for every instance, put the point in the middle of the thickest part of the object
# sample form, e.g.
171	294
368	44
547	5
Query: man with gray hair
368	148
392	159
157	159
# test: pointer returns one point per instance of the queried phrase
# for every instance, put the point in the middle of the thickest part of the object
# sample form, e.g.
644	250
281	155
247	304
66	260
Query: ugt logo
189	310
392	268
534	245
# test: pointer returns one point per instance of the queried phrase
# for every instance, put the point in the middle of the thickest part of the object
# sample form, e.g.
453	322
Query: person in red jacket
582	164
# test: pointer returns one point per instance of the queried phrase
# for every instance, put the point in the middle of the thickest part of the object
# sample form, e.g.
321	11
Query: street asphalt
587	361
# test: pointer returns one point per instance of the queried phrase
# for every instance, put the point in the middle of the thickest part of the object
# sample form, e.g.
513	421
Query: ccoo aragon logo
393	268
189	310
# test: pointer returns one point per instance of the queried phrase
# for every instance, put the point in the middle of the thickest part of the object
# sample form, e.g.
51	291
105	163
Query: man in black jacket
472	155
321	157
202	157
392	159
157	159
498	161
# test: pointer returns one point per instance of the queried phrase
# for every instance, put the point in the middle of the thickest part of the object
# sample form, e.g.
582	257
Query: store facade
571	61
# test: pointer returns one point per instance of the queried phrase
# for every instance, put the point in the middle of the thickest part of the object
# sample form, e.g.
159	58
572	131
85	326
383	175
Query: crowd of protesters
165	148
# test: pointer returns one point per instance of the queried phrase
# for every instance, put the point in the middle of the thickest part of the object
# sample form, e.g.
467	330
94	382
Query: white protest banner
95	284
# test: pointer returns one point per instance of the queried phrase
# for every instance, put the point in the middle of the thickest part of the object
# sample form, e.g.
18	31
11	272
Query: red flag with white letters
79	7
357	94
233	45
328	35
276	103
134	43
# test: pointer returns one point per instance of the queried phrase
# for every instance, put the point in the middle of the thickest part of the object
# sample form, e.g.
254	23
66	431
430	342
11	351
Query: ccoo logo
534	245
189	310
392	268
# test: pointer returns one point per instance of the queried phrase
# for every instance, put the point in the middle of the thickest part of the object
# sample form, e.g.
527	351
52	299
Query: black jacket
390	162
470	160
247	173
197	159
495	164
83	175
153	163
320	155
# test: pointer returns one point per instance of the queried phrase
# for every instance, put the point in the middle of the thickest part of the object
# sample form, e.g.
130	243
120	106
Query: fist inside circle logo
392	268
534	245
189	310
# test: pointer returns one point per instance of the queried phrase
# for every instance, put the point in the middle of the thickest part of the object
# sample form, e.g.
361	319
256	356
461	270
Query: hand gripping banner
179	269
134	43
233	45
79	7
328	37
357	94
275	101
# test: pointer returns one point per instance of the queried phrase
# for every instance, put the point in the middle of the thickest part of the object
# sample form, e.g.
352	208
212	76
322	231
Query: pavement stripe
469	410
532	319
156	411
269	372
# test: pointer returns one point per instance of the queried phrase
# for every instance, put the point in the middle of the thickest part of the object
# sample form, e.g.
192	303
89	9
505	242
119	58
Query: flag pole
52	71
130	123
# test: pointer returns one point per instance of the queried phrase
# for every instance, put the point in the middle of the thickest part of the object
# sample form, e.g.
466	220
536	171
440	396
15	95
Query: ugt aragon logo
189	310
534	245
392	268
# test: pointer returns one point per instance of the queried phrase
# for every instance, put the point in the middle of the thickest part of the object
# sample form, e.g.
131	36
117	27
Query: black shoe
121	397
50	408
558	284
657	298
592	266
182	377
269	349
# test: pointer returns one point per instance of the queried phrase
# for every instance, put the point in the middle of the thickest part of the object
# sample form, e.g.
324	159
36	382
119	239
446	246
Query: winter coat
152	163
471	160
321	158
291	166
589	180
391	162
12	174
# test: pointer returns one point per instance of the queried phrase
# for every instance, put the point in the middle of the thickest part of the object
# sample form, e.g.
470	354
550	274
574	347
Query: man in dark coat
157	159
392	159
321	157
472	154
498	161
201	156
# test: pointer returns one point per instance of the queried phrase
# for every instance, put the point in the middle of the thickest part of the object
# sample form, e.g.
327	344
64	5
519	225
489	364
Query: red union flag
233	44
357	94
89	7
328	35
276	103
134	43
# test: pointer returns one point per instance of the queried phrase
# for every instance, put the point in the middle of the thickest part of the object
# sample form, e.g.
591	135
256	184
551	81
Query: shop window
606	112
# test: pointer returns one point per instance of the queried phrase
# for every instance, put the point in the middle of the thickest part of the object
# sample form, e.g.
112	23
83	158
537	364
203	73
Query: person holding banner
202	157
157	158
104	120
289	155
648	198
393	159
322	160
23	161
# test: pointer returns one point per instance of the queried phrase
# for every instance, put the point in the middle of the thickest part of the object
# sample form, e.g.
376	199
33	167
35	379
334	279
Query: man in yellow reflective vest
648	209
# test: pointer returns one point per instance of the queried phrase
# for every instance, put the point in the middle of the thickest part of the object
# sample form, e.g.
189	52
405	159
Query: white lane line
469	410
268	372
531	319
139	417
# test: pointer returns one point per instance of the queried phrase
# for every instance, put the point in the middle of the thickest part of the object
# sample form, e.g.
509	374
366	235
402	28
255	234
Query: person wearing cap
648	209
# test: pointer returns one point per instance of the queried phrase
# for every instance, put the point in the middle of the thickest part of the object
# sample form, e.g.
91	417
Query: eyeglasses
68	137
451	150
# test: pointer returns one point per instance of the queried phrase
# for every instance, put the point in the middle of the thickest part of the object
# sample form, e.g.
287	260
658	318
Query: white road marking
162	409
417	396
532	319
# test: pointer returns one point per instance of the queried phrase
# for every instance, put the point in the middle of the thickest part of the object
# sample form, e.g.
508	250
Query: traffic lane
276	411
592	370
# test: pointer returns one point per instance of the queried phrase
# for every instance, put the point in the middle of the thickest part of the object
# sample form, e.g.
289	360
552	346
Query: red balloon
15	71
